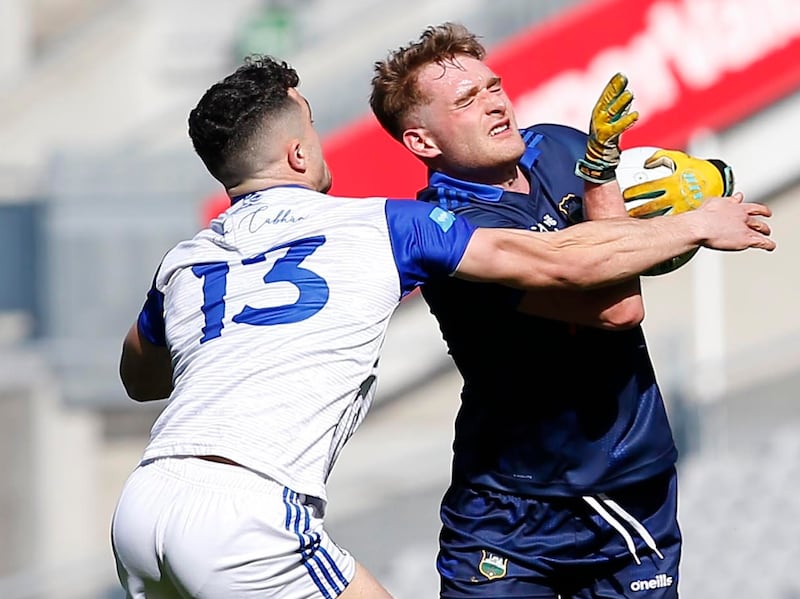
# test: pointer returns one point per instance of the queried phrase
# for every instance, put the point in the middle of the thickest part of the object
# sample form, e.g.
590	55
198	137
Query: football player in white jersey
264	331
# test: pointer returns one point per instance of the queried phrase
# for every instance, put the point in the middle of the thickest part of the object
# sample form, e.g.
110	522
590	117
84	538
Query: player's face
318	173
469	123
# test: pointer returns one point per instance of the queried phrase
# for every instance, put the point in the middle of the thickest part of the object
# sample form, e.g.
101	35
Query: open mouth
498	130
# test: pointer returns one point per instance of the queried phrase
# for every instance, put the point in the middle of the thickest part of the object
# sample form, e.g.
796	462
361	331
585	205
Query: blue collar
487	193
481	191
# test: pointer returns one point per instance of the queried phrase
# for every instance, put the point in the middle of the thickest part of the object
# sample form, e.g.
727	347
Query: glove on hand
610	117
692	180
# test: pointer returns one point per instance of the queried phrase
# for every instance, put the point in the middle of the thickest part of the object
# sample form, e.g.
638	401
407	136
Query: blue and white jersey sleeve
151	317
426	241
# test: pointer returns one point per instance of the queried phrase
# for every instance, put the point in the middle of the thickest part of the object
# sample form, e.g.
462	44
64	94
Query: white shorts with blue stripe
186	527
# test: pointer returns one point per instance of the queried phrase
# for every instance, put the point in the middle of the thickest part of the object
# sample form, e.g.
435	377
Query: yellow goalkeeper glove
610	117
692	181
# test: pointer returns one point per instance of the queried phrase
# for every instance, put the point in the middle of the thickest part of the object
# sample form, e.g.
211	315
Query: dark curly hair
234	111
394	84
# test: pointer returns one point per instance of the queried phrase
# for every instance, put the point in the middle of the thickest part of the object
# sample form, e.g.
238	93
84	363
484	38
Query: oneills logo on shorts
661	581
492	566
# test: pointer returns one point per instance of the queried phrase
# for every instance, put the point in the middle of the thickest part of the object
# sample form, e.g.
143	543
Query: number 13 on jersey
313	289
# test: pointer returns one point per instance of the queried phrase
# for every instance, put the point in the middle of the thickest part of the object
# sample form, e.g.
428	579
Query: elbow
626	315
142	384
623	324
136	394
143	391
144	395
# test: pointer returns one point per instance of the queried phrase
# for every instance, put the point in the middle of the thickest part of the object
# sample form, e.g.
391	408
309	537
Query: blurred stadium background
98	179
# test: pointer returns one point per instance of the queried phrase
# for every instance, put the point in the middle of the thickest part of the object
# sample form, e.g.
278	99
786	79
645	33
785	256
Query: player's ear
297	156
420	143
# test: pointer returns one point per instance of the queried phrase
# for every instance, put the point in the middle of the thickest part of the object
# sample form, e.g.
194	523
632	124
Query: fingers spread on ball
759	225
758	209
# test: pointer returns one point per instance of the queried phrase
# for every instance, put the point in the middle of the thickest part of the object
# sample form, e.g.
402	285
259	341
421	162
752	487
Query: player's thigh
142	588
364	586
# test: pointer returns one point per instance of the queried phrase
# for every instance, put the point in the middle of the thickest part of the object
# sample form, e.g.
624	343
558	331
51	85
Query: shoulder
549	137
426	236
556	133
554	145
404	216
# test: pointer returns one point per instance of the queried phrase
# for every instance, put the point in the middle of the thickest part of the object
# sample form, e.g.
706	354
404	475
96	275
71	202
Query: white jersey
275	317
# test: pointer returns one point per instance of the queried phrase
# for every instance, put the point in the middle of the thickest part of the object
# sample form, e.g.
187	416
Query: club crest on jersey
492	566
571	207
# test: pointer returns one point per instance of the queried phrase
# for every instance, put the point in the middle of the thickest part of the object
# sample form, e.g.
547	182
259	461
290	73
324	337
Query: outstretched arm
599	253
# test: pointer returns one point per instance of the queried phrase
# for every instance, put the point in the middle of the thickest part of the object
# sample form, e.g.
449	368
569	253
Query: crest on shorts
492	566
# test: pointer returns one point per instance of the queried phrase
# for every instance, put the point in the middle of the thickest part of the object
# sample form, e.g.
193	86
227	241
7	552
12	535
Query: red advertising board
693	65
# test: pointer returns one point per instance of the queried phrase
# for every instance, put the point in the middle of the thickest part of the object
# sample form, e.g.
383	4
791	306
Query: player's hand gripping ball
656	182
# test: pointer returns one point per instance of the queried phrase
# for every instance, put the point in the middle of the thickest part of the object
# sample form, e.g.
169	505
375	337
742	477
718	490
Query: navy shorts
625	543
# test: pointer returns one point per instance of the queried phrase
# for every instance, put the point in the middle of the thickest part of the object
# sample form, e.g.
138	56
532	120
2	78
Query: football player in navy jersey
563	475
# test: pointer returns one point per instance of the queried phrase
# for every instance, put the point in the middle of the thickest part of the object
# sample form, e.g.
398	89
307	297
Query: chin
511	148
518	148
510	156
516	153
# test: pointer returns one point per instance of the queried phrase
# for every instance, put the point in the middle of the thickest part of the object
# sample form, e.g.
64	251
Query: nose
493	101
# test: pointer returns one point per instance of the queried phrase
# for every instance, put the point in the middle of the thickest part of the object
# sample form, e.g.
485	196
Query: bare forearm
599	253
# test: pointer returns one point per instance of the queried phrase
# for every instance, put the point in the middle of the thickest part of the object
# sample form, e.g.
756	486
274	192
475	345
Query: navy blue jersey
547	408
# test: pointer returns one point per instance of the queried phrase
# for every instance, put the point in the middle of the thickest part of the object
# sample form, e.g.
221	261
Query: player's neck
517	182
511	179
260	183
